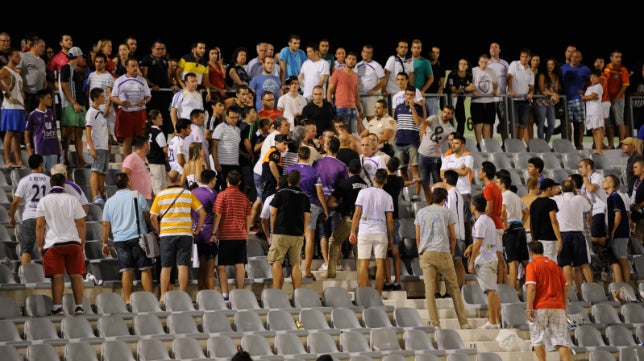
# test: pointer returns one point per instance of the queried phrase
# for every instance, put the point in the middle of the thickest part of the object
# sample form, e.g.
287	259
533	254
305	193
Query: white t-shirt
456	204
485	229
464	184
61	210
375	203
513	206
175	147
312	71
31	189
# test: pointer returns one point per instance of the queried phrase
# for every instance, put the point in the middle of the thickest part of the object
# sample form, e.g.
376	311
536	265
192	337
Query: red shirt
234	207
616	77
549	281
492	192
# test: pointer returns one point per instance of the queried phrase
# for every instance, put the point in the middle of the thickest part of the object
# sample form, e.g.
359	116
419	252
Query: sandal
311	276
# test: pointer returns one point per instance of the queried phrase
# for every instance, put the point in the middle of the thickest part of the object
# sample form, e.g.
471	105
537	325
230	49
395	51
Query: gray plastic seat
606	315
500	160
323	343
277	299
112	303
473	296
220	347
249	321
305	297
180	301
38	305
78	329
594	293
7	279
259	270
41	352
619	335
10	335
375	317
419	342
633	313
450	340
600	355
148	349
147	325
631	353
550	160
574	309
217	323
80	351
69	304
314	319
10	309
507	293
338	297
345	319
9	353
289	345
43	330
538	145
114	327
368	297
619	287
186	348
355	343
146	302
280	320
639	332
563	146
32	275
256	345
490	145
590	338
244	299
116	350
409	318
386	340
514	145
183	324
513	315
212	300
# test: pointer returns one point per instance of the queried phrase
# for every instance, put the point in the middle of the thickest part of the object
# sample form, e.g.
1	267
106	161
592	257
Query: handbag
148	242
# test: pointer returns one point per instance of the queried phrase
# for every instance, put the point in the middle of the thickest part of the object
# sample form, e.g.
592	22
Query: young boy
98	144
594	113
177	152
41	124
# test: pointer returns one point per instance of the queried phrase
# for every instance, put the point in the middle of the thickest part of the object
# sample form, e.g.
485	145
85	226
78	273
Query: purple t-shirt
309	177
331	171
42	126
207	198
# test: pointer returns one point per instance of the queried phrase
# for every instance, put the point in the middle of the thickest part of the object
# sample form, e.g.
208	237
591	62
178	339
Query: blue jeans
351	115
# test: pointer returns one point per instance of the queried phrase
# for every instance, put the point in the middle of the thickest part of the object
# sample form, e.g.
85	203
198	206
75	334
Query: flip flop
311	276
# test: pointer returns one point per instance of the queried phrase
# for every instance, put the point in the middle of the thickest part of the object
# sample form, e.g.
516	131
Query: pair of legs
127	279
376	242
435	264
309	239
338	237
206	271
97	183
231	252
175	251
483	116
130	256
281	246
12	141
429	170
549	323
60	259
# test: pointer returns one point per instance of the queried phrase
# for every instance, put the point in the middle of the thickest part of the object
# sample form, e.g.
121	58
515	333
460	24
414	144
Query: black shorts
231	252
598	229
574	250
176	251
515	244
208	250
130	256
483	113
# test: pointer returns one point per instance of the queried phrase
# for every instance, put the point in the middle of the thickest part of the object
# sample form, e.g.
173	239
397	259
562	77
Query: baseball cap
282	138
74	52
629	141
547	183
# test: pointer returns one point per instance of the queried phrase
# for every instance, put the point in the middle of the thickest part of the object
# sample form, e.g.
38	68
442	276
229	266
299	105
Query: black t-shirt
346	192
346	155
321	116
394	186
540	224
291	204
268	180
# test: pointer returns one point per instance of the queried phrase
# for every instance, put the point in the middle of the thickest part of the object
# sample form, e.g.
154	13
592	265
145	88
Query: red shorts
130	124
68	257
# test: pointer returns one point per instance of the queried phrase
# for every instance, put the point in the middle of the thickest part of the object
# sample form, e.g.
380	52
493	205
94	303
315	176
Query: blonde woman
194	166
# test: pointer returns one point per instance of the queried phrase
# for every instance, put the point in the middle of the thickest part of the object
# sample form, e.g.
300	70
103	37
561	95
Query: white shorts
372	241
549	323
499	240
549	249
486	274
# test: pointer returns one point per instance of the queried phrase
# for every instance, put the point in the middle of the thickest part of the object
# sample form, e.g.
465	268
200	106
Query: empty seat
314	319
183	324
632	313
473	296
277	299
507	293
80	351
520	160
571	160
186	348
212	300
600	355
146	302
369	297
244	299
605	314
32	275
305	297
345	319
619	335
500	160
217	323
563	146
148	349
113	327
338	297
538	145
249	321
9	353
490	145
631	353
147	325
69	306
7	278
320	343
355	343
111	303
289	345
38	305
41	352
78	329
590	338
280	320
256	345
10	335
375	317
43	330
386	340
10	309
259	270
514	145
221	347
419	342
513	315
116	350
551	160
594	293
450	340
180	301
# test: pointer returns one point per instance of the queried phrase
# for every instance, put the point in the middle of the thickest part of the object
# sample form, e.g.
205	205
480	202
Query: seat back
353	341
305	297
513	315
110	302
116	350
473	295
215	322
112	326
9	332
37	329
248	321
187	348
593	292
144	302
243	299
80	351
72	327
288	344
384	339
42	352
221	347
38	305
181	324
588	336
321	343
280	320
147	324
408	317
275	298
256	345
375	317
151	349
9	353
415	339
538	145
604	314
344	319
32	275
368	297
177	301
69	304
313	319
632	313
448	339
336	297
210	300
619	335
9	307
507	293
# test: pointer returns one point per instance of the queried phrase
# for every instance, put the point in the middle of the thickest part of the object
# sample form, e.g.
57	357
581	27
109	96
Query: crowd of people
308	150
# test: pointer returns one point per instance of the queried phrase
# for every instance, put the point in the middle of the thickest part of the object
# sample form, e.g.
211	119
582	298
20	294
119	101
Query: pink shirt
346	88
139	174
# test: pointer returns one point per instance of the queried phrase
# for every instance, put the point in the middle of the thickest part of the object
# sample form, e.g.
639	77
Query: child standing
98	139
594	114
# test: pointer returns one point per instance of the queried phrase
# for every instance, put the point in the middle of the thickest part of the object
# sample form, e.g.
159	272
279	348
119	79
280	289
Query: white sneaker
323	267
338	267
489	326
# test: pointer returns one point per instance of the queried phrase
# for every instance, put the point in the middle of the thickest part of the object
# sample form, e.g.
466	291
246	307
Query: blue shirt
119	211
